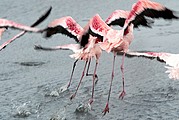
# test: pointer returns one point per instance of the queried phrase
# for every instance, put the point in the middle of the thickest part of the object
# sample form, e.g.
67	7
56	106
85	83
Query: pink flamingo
84	50
7	23
117	41
171	60
110	42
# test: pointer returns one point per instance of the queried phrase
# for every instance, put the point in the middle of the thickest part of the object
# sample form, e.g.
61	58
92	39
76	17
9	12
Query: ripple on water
150	99
30	63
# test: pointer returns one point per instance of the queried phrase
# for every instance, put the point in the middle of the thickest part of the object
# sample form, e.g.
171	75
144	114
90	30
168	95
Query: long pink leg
112	76
87	74
123	93
88	67
74	65
80	81
92	97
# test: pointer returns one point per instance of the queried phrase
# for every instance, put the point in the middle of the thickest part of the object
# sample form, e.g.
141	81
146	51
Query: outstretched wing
162	57
65	25
4	23
148	9
168	58
118	17
41	19
172	60
73	47
95	27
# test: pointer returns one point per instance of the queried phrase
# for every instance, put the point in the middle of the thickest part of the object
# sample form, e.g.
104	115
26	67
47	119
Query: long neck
128	33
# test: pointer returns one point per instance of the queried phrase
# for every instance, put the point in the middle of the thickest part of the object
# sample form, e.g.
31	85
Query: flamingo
118	17
117	41
8	23
99	28
82	50
171	60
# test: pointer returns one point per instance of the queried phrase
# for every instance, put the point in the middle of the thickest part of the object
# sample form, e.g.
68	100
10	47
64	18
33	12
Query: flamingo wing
118	17
41	19
168	58
98	27
172	60
149	9
65	25
73	47
4	23
95	27
162	57
156	10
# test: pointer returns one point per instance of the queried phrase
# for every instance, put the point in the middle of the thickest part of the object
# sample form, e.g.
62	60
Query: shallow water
27	77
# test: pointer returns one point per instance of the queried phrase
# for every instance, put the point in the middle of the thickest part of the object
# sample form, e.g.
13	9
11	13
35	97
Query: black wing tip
39	47
43	17
170	14
142	21
50	8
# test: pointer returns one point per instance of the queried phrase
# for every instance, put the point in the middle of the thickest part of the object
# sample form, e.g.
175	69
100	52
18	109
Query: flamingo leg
80	81
88	67
123	93
74	65
92	97
112	76
87	74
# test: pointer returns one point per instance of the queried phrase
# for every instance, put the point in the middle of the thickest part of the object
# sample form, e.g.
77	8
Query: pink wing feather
149	9
98	26
117	15
12	24
65	25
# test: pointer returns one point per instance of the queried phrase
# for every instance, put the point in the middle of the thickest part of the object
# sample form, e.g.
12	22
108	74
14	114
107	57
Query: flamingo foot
106	109
63	88
73	96
91	101
121	96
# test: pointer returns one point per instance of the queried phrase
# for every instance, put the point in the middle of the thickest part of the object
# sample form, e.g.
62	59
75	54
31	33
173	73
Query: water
30	80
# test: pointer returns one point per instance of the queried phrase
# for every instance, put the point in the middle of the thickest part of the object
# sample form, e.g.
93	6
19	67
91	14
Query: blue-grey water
28	77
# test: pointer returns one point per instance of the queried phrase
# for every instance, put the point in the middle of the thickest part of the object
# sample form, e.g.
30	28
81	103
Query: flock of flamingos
98	36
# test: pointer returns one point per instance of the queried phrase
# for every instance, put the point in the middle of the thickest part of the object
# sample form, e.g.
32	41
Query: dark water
28	77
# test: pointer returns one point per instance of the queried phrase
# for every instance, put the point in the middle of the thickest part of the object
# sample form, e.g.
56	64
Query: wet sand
27	76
